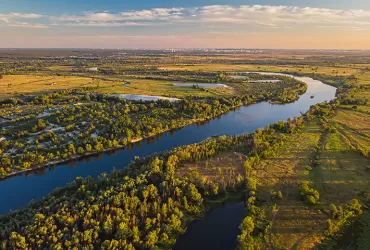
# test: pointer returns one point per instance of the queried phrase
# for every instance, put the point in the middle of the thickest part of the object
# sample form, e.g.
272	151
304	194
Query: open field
62	68
364	77
223	169
304	69
293	225
341	174
36	85
354	127
161	88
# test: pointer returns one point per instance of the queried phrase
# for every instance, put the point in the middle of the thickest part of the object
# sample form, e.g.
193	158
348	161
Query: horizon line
170	48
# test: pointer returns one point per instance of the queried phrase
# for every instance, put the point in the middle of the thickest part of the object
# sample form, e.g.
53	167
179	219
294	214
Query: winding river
18	191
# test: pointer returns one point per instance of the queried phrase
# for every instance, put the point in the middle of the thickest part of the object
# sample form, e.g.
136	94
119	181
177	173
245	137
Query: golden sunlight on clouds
255	26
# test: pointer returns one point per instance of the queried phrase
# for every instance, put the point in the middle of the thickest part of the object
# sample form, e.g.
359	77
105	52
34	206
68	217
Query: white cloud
261	15
27	25
104	24
264	16
15	15
275	15
11	20
140	15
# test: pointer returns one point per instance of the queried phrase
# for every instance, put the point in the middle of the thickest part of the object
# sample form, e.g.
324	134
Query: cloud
141	15
104	24
275	15
267	16
11	20
27	25
16	15
205	17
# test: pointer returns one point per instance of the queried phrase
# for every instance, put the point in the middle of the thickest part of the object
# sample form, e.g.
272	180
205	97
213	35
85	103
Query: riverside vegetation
55	127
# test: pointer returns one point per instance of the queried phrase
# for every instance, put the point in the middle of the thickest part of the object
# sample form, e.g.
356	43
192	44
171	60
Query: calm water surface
217	230
18	191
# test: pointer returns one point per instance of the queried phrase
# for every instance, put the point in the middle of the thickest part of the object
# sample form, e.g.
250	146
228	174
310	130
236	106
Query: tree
279	195
88	147
71	149
247	225
248	168
41	124
80	150
17	241
151	239
246	228
334	211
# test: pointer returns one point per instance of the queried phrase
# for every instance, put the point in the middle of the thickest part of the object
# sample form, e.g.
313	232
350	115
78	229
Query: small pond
144	97
201	85
216	231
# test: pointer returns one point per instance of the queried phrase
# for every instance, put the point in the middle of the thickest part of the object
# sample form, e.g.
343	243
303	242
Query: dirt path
272	224
299	241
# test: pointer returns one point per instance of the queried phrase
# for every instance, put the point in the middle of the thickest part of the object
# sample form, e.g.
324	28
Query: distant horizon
267	24
159	49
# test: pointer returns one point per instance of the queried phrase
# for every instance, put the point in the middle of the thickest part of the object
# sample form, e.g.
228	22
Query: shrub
309	194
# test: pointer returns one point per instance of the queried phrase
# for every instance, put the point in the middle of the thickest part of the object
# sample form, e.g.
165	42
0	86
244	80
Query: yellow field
331	71
36	85
364	77
61	68
354	127
27	84
161	88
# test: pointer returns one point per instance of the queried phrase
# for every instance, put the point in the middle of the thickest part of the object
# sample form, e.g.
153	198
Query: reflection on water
217	230
19	190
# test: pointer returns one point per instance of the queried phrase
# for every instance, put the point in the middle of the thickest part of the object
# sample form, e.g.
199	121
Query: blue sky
63	6
340	24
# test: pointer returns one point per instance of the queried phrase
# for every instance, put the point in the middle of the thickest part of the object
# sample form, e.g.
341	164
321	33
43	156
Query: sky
159	24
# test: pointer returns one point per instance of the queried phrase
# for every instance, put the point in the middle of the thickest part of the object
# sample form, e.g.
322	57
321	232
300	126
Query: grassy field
364	77
13	85
162	88
354	127
293	225
62	68
330	71
342	174
32	84
223	169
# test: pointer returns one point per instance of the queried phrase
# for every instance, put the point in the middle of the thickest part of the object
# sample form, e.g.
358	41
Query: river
18	191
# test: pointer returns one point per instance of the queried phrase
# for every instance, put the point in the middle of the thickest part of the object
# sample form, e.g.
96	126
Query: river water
18	191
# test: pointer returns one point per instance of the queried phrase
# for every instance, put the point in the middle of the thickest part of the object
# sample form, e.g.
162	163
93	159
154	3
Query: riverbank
187	123
88	154
76	157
